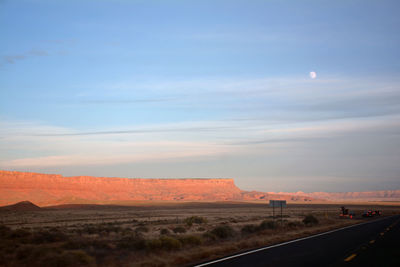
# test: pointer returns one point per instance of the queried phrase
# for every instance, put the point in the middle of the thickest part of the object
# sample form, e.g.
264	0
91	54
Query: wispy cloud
54	146
140	131
11	59
154	152
127	101
60	41
279	99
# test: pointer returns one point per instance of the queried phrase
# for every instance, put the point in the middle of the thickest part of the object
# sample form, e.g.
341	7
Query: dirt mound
21	206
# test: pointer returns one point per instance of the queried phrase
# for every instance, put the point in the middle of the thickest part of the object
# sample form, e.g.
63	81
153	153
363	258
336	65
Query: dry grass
170	235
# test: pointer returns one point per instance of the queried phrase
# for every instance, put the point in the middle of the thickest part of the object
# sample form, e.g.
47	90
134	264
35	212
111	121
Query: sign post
273	212
277	203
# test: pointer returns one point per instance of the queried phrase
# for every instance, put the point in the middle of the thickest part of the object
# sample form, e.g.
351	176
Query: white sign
277	203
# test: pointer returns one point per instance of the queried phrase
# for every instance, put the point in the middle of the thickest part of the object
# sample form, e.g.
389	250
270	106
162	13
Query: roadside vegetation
102	244
158	242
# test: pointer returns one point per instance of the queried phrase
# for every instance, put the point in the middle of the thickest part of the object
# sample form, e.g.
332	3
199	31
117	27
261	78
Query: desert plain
159	233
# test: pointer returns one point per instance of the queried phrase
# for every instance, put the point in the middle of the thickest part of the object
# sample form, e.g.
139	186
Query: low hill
21	206
383	195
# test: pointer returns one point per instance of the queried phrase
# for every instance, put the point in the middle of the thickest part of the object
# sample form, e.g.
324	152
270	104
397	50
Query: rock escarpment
49	189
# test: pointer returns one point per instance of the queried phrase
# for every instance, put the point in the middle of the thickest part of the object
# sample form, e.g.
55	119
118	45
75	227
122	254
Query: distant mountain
52	189
383	195
21	206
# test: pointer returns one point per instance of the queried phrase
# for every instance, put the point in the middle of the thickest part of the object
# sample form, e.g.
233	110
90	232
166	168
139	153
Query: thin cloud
39	53
196	129
274	140
153	152
60	41
279	99
128	101
172	142
12	59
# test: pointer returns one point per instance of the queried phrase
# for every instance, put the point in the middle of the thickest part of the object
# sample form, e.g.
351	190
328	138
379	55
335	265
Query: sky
279	95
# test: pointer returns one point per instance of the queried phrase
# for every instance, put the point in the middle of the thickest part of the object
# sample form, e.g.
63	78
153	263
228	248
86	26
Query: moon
313	75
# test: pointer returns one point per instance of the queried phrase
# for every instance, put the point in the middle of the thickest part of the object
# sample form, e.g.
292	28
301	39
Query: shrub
40	251
223	231
108	228
4	231
294	224
67	258
24	252
209	236
310	220
267	225
19	233
75	244
164	231
48	237
191	240
132	242
99	244
126	231
153	244
164	243
249	229
170	243
142	229
195	219
104	228
179	230
35	255
90	229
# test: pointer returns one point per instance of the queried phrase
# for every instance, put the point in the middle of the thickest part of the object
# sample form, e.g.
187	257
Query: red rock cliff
48	189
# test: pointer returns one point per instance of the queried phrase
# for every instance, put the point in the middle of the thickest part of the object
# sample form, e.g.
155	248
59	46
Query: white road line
285	243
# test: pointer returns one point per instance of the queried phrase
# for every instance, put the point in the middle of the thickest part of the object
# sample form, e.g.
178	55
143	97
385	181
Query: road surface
374	243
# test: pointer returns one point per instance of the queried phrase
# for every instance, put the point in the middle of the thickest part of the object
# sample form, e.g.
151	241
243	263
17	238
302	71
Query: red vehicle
372	213
368	213
346	214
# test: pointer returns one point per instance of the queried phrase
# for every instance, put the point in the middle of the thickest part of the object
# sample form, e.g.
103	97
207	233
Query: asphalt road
374	243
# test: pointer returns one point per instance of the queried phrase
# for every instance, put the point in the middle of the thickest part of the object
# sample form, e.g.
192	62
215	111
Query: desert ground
159	234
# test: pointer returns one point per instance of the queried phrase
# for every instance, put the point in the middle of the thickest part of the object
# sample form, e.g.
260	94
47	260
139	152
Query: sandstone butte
53	189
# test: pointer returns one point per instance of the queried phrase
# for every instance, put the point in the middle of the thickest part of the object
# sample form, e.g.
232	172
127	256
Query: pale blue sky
204	89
